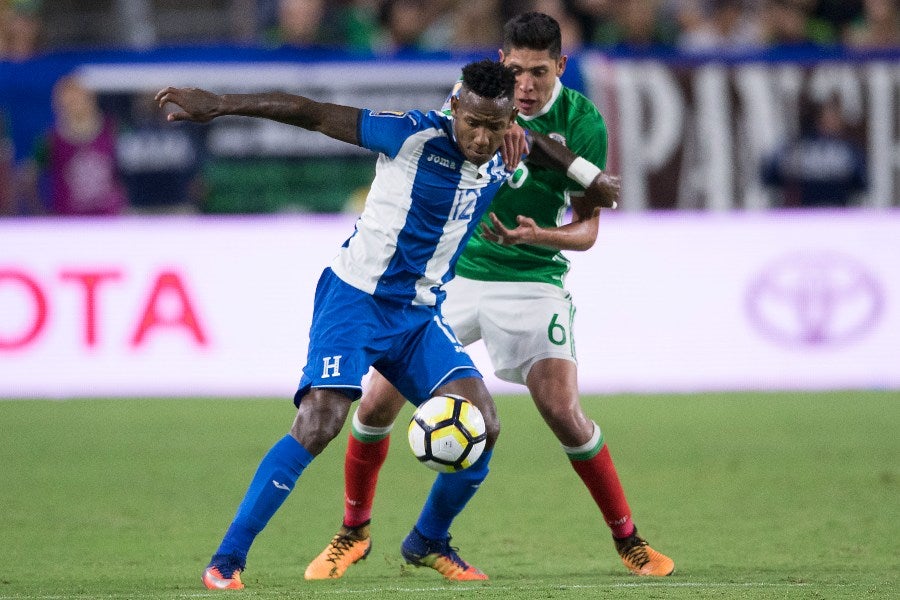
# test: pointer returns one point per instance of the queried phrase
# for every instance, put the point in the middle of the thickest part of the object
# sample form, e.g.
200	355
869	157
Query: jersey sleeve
588	137
385	131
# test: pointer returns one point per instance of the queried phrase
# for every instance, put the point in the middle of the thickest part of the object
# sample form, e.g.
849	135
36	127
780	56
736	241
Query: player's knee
375	413
485	404
380	404
319	419
564	416
567	420
474	390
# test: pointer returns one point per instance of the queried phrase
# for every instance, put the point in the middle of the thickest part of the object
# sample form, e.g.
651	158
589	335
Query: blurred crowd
81	139
20	28
390	25
382	26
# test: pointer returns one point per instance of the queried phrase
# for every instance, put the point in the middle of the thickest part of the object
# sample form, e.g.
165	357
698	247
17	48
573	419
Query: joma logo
442	161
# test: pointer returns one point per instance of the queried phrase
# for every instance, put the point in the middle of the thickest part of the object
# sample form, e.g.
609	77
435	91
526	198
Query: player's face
480	123
536	72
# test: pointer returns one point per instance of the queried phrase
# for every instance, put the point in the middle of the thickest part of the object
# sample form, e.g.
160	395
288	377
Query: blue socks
278	473
449	495
275	478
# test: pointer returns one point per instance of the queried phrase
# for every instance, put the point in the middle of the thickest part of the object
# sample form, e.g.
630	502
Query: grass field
753	495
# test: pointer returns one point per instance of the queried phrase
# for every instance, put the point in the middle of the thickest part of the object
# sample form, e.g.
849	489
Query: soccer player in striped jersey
509	291
378	303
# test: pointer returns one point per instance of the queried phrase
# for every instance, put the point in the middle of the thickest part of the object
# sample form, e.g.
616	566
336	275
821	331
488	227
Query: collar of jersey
557	89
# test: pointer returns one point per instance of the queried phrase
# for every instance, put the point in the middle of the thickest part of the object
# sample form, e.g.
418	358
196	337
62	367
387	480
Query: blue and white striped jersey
424	204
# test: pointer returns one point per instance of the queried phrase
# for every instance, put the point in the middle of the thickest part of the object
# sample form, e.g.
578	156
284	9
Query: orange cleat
349	546
215	580
641	559
438	555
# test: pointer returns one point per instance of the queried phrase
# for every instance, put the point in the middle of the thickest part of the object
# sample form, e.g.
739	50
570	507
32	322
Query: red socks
600	476
362	464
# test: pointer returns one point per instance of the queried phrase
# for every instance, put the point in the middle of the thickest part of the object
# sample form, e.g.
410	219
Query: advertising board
666	302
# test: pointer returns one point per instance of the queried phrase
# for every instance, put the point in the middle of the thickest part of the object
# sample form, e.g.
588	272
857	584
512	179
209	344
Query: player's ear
500	54
454	105
561	65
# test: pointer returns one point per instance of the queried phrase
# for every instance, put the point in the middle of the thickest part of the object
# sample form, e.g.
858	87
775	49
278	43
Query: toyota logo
816	300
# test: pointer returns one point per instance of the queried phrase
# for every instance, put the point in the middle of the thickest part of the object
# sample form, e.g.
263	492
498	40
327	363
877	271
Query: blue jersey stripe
433	194
423	206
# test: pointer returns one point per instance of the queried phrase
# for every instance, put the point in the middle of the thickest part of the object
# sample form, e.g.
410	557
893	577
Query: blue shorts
351	331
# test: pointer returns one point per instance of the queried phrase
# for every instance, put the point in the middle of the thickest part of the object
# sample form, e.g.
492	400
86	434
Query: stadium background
800	297
739	352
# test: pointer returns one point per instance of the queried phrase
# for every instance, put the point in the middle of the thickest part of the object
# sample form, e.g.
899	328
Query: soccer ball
447	433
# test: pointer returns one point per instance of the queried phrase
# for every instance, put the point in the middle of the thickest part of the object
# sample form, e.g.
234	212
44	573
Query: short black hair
534	31
489	79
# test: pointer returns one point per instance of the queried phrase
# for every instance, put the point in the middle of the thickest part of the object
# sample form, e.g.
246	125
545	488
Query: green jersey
569	118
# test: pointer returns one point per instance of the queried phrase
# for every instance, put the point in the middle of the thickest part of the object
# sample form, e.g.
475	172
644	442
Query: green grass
753	495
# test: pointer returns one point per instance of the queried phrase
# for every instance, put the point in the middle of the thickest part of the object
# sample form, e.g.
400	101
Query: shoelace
637	553
339	545
449	552
456	558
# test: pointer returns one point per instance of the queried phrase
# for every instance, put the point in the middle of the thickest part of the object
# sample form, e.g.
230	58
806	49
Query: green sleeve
588	137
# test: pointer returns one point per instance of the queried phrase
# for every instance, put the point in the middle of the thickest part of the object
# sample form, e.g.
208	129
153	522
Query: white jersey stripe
424	204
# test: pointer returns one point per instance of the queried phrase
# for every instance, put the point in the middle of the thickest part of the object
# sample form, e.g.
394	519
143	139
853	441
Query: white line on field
459	588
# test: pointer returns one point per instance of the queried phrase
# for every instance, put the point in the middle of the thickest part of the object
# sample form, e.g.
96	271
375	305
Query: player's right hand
515	145
525	231
195	104
603	191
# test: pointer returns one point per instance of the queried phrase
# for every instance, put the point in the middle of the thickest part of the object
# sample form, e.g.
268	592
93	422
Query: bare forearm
600	187
545	152
333	120
578	236
201	106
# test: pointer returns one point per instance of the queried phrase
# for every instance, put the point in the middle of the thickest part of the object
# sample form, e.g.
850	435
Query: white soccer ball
447	433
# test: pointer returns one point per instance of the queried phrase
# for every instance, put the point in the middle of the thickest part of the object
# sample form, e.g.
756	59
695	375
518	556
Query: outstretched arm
334	120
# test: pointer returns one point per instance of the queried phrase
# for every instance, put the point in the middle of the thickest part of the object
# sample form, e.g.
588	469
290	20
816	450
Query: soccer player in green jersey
509	291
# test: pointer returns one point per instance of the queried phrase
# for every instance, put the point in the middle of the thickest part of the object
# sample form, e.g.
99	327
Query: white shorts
520	322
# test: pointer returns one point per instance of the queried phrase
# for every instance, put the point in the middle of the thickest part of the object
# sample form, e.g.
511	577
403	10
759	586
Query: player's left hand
196	104
604	191
515	144
525	231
